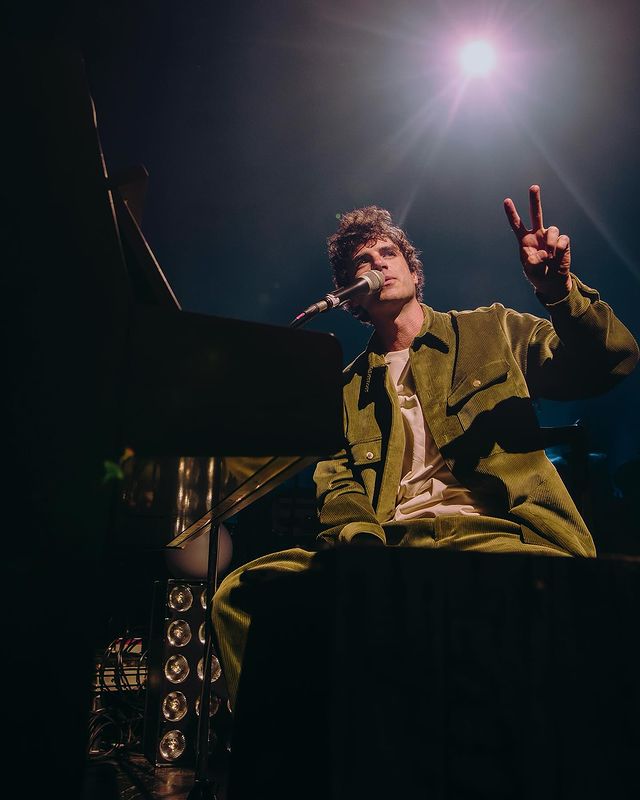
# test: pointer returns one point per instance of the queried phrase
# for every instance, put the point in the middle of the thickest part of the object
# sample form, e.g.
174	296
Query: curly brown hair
363	226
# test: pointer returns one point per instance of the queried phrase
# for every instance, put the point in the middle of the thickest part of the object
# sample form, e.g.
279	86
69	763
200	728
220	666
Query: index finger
535	205
514	218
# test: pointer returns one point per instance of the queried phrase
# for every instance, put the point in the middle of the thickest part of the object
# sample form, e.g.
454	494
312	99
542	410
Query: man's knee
249	577
220	599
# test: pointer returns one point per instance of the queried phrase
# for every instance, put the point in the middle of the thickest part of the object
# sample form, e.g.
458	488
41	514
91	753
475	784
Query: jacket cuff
576	303
349	531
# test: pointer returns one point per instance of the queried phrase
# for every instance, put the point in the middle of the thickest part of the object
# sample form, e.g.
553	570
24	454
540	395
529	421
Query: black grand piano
100	358
264	399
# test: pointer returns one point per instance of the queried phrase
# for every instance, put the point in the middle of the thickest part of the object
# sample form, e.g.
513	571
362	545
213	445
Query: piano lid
199	385
207	386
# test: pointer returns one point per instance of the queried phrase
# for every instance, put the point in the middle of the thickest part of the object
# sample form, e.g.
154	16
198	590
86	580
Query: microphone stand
369	283
330	301
203	788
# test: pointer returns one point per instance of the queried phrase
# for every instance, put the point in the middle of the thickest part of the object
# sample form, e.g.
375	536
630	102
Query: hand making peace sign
544	252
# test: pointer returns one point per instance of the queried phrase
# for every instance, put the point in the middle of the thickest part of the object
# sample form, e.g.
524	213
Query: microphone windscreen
375	279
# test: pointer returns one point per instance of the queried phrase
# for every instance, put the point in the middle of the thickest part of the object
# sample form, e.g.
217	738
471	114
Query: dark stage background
260	122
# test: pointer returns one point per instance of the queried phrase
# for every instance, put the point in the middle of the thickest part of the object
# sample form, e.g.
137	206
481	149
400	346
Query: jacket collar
436	333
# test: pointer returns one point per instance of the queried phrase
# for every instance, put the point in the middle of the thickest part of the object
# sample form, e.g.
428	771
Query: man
442	446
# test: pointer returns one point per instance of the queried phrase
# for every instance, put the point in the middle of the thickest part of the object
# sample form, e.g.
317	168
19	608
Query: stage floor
132	777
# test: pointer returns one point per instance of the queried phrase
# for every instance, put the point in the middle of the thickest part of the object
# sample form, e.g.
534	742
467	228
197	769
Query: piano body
274	422
96	362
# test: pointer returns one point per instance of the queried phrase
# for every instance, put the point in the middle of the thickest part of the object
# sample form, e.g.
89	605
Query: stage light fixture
179	633
174	676
172	745
174	706
214	705
180	598
216	669
477	58
176	669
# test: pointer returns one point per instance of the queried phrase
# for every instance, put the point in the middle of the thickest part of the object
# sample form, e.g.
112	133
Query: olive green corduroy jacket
476	373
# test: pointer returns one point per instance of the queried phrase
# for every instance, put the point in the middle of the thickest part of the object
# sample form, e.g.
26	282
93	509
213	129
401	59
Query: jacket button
476	383
369	456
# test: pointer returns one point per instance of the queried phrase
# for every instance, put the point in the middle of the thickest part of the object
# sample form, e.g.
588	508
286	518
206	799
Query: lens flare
477	58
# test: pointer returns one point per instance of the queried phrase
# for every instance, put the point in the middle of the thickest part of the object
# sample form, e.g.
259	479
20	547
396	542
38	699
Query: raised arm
585	349
545	253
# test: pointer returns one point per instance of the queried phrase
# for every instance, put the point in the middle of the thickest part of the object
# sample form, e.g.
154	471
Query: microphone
369	283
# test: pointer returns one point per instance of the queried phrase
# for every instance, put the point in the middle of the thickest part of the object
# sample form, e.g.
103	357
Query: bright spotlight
477	58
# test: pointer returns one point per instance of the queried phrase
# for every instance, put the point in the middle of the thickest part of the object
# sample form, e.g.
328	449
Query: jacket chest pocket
482	390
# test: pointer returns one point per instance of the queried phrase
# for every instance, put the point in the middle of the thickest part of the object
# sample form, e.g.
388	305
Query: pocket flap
483	376
368	452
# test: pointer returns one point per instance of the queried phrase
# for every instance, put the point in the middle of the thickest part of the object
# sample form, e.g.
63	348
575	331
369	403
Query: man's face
399	282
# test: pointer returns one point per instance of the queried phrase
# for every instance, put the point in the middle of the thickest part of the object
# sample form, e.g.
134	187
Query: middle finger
535	206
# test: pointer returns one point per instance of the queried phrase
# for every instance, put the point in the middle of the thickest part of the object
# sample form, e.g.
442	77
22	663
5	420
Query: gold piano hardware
244	480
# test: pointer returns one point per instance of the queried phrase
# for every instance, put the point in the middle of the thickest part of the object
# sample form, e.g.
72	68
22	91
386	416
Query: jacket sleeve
583	351
344	509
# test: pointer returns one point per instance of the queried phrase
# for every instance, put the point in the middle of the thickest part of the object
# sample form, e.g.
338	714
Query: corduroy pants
240	591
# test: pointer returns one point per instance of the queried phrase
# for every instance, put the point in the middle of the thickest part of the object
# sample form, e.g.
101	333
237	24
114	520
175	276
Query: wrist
550	295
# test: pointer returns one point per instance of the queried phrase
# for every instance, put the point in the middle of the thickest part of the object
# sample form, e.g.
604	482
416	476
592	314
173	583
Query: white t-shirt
427	488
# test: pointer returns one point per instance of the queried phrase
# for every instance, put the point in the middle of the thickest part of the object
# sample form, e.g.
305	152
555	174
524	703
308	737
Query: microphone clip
369	283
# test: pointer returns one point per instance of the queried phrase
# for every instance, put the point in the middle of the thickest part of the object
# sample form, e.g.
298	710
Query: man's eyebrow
361	257
389	246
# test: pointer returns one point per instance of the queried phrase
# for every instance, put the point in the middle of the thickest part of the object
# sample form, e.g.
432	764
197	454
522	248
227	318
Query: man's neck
397	331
